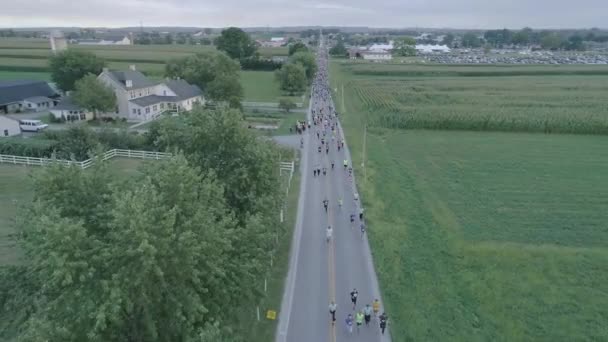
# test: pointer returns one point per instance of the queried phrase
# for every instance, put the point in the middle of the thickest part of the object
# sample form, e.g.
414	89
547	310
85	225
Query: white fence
20	160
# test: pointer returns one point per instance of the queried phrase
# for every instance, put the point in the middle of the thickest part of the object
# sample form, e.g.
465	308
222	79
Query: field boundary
31	161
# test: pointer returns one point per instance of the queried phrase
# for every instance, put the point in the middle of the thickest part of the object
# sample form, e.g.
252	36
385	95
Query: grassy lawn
483	236
16	191
260	86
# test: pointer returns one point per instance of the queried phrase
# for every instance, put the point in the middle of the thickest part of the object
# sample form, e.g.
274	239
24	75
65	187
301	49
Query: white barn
377	55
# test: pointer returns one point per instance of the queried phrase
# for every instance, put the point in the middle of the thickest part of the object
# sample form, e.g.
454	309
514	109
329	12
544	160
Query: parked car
32	125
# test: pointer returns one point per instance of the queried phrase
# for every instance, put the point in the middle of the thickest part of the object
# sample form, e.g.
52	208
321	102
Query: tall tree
136	264
292	78
308	61
448	39
338	50
404	46
71	65
236	43
471	40
214	72
550	40
94	96
297	47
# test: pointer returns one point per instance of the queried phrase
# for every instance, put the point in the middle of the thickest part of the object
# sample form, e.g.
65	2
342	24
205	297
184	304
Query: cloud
375	13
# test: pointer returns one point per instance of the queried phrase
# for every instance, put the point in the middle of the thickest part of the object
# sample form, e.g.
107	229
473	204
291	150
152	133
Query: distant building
15	96
377	55
108	40
273	42
140	99
38	103
58	41
428	48
9	126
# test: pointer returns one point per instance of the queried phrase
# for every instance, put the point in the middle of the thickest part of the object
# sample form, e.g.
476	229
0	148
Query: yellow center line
331	250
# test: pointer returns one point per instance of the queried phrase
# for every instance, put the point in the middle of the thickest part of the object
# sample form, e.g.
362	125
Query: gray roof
17	91
183	89
66	103
153	99
138	79
38	99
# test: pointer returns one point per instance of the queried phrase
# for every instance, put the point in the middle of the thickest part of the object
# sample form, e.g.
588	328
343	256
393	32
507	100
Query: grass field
260	86
483	236
16	190
563	103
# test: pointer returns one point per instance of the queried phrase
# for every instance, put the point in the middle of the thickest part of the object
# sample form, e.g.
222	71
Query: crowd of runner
326	136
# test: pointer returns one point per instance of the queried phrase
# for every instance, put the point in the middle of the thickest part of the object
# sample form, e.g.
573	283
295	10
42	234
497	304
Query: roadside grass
265	329
16	190
483	236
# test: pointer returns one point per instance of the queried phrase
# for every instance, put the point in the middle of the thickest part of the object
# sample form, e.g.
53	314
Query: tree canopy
93	95
308	61
236	43
404	46
297	47
214	72
292	78
338	50
69	66
169	254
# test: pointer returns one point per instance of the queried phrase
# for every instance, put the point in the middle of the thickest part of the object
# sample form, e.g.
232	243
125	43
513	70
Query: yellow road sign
271	314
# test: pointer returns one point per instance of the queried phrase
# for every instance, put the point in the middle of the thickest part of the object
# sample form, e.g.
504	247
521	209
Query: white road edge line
287	300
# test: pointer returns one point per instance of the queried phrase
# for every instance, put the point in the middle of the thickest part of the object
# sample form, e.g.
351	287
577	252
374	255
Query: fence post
265	285
281	215
258	311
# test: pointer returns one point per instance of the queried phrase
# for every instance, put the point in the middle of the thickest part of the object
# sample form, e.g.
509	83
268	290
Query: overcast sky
247	13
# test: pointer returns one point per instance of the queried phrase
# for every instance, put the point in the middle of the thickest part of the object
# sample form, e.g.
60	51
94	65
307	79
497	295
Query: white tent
428	48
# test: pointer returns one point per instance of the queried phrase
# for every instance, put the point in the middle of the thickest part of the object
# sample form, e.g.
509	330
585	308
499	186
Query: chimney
105	69
132	67
129	83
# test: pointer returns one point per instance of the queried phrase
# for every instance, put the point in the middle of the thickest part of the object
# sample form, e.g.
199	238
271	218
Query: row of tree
548	40
171	254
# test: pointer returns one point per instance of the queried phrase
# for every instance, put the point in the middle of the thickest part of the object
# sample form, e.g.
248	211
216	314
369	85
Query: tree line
170	254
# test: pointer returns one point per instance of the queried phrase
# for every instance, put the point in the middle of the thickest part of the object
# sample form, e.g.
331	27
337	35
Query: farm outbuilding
9	126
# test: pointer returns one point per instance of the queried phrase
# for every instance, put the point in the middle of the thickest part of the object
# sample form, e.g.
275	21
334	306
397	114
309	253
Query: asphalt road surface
320	271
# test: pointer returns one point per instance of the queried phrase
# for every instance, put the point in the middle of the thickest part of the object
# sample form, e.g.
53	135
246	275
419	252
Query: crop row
551	105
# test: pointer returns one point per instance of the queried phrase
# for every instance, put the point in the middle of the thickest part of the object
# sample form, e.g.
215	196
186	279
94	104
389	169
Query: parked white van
32	125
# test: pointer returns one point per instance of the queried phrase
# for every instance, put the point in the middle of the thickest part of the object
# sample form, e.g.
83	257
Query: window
29	105
155	108
83	116
140	94
6	132
162	105
139	112
164	93
147	110
134	111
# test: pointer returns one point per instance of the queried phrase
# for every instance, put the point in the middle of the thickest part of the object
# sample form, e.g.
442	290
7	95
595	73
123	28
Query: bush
27	147
54	119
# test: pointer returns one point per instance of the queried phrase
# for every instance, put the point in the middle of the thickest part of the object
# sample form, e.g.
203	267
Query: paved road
320	271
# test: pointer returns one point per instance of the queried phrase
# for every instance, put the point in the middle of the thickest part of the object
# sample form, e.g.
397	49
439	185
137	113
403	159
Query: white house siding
9	127
37	107
121	95
67	114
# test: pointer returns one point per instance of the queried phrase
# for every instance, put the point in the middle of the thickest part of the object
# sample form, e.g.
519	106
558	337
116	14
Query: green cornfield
565	103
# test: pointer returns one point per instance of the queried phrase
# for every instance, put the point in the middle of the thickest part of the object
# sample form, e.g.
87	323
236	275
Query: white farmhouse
9	126
140	99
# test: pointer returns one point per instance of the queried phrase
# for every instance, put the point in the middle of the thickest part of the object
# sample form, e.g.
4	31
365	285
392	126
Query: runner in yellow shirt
359	320
376	307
